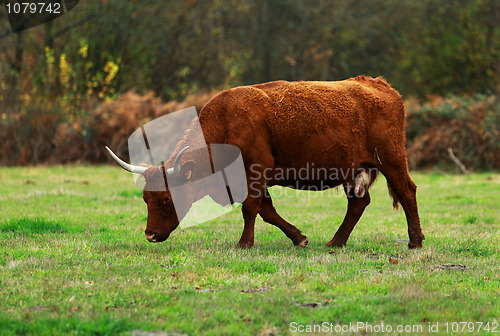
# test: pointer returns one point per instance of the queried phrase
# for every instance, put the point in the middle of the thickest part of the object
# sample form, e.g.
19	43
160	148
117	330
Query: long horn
177	163
126	166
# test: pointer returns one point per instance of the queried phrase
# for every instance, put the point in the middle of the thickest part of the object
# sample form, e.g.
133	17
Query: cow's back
328	124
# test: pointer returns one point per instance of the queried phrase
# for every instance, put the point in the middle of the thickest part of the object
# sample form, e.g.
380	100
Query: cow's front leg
251	207
258	161
249	210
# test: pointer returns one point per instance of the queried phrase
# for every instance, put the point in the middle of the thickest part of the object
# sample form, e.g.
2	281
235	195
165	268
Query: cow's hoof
414	245
245	245
335	243
300	240
303	243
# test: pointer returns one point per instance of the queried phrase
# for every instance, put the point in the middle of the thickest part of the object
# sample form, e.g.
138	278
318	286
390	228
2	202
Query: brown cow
347	127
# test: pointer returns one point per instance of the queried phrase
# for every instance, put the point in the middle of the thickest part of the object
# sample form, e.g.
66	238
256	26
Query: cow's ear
186	171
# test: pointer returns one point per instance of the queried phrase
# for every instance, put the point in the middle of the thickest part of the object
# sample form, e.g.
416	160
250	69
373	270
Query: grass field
74	260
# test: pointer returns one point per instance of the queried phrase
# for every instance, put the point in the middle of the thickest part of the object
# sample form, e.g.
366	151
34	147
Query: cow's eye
166	199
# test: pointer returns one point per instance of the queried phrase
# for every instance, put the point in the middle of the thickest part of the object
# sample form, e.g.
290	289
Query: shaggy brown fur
345	125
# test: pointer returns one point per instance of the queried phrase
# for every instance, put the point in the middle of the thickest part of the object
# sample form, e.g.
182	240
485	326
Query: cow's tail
395	200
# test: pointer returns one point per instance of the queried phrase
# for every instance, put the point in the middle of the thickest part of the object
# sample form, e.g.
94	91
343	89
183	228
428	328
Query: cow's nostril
151	237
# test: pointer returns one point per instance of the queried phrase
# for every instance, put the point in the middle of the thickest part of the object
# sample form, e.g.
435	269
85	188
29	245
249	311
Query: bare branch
457	161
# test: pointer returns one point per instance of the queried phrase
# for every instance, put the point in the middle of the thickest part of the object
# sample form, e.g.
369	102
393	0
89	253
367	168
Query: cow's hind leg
406	192
269	215
355	208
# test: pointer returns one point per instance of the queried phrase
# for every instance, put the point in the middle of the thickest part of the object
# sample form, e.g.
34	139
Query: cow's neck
195	139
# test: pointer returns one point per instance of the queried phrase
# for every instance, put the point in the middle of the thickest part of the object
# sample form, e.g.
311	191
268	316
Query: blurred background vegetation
65	86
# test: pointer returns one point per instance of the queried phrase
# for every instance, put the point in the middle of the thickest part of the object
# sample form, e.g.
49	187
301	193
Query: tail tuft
395	200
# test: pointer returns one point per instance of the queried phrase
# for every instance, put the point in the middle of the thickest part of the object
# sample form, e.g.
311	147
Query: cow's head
163	216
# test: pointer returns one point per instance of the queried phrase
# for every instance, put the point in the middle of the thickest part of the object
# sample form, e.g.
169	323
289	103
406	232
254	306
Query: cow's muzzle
154	237
151	237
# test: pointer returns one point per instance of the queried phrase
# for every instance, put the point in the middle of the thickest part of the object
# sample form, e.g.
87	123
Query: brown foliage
26	139
42	136
112	123
470	127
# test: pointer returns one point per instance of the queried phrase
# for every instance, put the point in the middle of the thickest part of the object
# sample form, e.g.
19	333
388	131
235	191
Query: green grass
74	260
